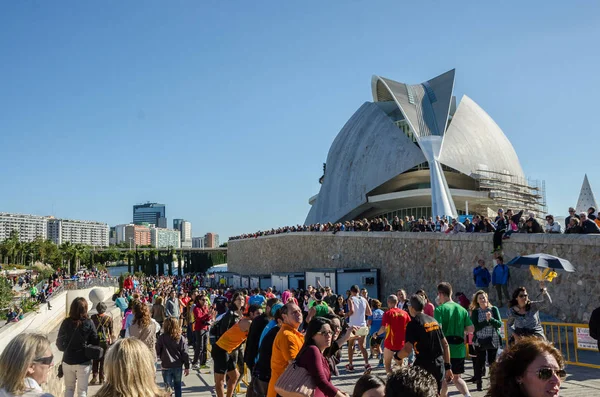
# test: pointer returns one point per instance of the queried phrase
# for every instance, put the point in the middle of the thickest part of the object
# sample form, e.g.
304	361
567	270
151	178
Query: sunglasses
44	360
325	333
523	295
547	373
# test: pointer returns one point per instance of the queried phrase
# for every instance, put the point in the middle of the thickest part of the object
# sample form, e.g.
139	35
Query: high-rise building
165	238
151	213
211	240
112	236
185	229
137	235
78	232
120	231
197	242
29	227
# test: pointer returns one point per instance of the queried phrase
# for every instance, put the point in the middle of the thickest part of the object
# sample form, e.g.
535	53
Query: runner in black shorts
223	362
424	335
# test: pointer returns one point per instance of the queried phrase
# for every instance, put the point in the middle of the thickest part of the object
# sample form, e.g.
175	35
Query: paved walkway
582	381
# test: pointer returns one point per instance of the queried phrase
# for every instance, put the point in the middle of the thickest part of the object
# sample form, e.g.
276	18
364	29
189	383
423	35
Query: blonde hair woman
486	319
130	371
24	366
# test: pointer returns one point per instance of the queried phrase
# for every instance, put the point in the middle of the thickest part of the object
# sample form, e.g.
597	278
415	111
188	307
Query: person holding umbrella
524	315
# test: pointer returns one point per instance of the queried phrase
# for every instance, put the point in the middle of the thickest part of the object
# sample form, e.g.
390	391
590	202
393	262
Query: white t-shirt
360	307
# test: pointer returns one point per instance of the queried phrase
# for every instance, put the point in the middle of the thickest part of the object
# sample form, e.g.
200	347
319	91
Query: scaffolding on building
509	191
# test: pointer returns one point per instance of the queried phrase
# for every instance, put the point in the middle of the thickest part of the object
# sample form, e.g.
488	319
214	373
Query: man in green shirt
318	309
455	322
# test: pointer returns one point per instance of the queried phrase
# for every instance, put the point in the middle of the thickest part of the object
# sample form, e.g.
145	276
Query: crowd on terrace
508	222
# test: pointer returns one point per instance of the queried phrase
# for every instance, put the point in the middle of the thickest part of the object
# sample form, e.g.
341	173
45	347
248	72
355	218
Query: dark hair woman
530	368
338	307
369	386
318	337
524	315
75	332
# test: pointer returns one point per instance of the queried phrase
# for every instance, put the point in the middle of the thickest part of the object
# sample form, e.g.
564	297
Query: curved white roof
371	150
473	141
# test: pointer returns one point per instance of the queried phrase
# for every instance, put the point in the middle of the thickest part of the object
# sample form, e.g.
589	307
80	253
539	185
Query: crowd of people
507	222
422	344
40	291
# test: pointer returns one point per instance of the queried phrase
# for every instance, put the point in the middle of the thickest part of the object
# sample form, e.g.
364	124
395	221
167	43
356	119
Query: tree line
73	256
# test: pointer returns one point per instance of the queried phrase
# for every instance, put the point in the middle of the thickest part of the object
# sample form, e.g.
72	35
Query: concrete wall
421	260
45	321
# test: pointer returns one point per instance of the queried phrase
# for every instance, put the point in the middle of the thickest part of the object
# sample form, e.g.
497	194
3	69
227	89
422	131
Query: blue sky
225	110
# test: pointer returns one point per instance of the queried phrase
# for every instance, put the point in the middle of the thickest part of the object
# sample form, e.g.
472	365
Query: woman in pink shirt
429	308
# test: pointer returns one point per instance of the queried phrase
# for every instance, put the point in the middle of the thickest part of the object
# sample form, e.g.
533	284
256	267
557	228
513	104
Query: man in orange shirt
287	344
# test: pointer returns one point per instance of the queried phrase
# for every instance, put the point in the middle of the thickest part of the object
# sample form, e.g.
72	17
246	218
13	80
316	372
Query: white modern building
120	233
586	197
29	227
78	232
415	151
185	228
165	238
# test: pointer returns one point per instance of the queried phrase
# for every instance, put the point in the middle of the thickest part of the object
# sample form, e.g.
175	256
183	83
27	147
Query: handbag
295	382
93	352
486	343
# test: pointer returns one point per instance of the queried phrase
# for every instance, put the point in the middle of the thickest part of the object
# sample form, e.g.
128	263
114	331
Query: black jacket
589	227
256	328
72	339
263	366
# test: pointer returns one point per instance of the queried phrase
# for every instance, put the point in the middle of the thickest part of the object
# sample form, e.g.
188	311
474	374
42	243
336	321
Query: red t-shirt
186	300
395	321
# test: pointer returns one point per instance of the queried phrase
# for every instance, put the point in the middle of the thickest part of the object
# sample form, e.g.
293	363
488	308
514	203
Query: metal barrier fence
91	282
573	341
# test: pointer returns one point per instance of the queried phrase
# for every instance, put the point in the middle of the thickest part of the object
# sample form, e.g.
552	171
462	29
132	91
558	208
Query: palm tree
9	246
66	250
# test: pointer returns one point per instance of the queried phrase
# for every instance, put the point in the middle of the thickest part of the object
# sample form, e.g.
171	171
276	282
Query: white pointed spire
586	197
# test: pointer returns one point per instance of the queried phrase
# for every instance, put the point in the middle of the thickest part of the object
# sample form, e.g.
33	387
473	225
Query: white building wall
28	226
120	229
78	232
164	238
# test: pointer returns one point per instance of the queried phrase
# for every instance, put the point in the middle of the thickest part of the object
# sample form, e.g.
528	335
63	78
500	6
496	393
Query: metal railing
573	340
91	282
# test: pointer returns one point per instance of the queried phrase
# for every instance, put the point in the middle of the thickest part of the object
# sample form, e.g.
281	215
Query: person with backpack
104	328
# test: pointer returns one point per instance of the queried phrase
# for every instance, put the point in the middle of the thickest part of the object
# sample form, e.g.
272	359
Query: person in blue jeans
481	276
500	276
172	349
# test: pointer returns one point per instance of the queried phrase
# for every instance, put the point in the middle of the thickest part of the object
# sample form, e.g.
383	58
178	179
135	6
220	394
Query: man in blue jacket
500	276
481	276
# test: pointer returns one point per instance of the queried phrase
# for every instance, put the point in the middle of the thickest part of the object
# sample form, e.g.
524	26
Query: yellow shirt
286	346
